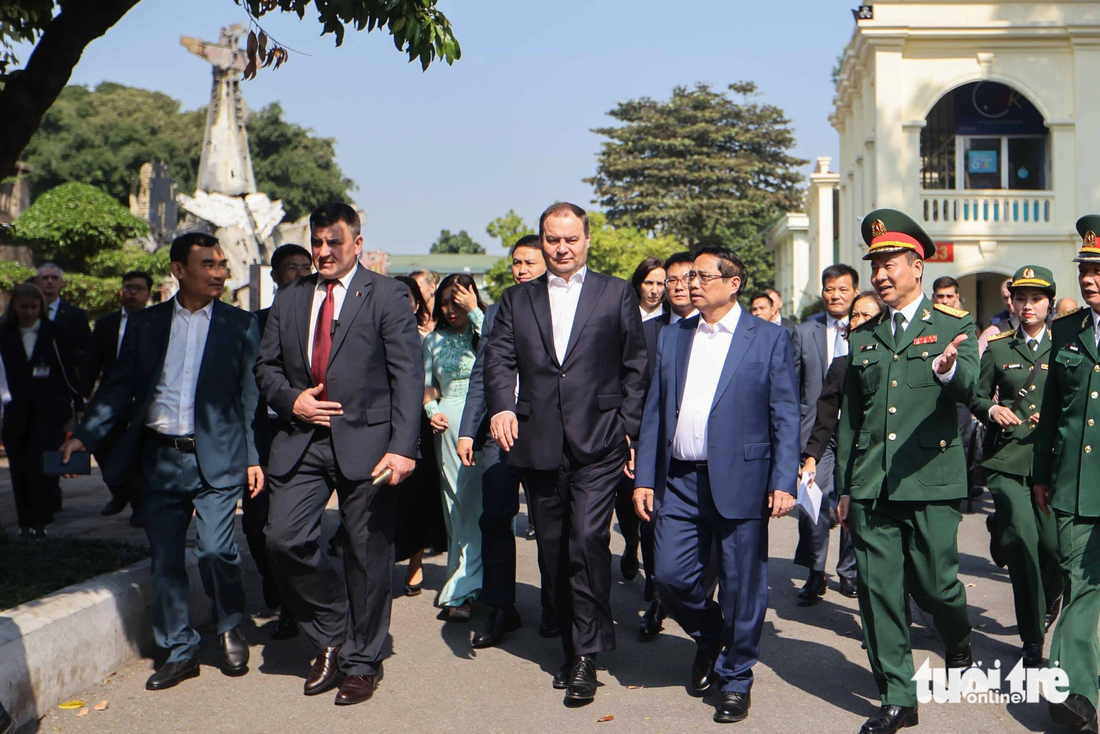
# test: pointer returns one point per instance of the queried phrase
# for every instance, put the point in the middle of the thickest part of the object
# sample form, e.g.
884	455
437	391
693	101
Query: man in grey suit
184	381
341	364
817	342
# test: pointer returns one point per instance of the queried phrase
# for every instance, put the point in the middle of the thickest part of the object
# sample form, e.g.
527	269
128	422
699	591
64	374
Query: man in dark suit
717	458
106	342
288	263
500	482
184	382
779	318
817	341
574	340
342	366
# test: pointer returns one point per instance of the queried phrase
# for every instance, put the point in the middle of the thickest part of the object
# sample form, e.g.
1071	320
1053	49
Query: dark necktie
899	319
322	341
1032	344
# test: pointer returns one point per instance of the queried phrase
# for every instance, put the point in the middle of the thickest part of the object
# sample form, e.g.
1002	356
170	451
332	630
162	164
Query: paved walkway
813	675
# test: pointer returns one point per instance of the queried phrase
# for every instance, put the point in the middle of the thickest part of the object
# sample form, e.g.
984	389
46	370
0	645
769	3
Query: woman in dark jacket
44	399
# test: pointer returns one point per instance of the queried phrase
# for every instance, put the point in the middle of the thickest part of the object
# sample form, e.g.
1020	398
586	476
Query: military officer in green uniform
902	469
1014	368
1067	481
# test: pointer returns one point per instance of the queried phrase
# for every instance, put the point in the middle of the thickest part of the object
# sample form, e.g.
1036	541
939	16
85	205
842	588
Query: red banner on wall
945	253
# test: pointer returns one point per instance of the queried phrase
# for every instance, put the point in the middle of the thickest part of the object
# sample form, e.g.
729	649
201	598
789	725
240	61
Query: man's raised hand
308	409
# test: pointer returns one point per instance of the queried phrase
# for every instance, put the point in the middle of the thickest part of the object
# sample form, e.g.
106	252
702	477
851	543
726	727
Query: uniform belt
699	466
186	444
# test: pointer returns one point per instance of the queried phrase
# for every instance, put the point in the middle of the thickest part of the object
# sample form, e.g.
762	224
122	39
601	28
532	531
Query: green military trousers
1075	648
1029	547
903	546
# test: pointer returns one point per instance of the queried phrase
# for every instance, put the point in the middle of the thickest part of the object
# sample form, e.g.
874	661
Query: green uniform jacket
1067	441
899	427
1005	366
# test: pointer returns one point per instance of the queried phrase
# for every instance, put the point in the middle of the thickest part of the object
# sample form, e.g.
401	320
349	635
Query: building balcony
987	212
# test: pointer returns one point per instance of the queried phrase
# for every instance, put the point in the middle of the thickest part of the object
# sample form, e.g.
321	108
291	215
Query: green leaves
508	229
460	243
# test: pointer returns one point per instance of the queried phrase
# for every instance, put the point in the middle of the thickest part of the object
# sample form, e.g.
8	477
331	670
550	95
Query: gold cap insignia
878	229
1090	239
1029	273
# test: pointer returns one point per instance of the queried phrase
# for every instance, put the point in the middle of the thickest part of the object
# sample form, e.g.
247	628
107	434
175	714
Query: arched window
985	135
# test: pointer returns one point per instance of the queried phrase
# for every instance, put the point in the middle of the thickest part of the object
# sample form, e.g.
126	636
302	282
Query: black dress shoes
549	625
732	708
1052	613
582	679
1032	654
323	672
962	659
7	724
849	587
812	590
172	674
628	565
994	541
357	689
501	621
702	671
890	719
234	650
287	627
113	507
561	678
1076	713
651	620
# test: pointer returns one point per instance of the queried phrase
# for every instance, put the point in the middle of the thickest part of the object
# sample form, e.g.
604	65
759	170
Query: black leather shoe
287	627
1032	654
732	708
628	565
357	689
548	627
848	587
1076	713
561	678
582	679
529	534
962	659
651	621
234	651
323	672
812	590
890	719
501	621
1053	609
994	541
113	507
702	671
172	674
7	724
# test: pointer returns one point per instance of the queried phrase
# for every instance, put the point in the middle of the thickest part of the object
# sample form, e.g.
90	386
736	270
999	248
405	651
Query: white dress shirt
709	348
834	337
1095	325
172	411
51	310
564	297
647	315
673	317
339	293
908	314
121	331
30	338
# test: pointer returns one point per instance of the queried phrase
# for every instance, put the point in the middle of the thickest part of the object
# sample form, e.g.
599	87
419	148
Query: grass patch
30	569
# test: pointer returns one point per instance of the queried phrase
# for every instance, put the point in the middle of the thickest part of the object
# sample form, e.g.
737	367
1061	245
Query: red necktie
322	341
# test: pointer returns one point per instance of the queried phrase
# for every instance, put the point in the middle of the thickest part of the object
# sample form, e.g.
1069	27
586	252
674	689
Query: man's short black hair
282	252
677	258
527	240
762	294
135	274
729	264
839	270
945	281
329	214
182	245
564	207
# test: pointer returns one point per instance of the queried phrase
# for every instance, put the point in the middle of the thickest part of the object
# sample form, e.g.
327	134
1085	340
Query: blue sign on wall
982	161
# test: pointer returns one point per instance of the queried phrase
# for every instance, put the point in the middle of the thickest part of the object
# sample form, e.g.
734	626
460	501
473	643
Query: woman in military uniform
1010	390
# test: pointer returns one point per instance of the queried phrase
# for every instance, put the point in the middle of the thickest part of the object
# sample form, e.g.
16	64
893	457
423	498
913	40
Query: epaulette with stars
956	312
1002	335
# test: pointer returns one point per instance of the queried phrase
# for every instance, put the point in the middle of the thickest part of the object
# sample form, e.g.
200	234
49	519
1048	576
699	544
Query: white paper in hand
809	497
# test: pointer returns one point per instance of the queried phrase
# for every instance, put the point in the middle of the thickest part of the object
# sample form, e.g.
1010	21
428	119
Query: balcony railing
981	210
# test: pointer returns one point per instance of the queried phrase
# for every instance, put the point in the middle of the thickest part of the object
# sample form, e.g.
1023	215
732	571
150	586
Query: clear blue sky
508	125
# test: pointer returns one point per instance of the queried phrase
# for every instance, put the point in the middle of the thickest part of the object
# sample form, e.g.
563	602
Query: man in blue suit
717	456
184	385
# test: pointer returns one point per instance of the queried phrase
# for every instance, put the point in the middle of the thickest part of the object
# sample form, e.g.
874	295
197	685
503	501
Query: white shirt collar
832	323
673	317
30	329
909	311
577	277
727	323
778	319
1039	338
345	280
208	309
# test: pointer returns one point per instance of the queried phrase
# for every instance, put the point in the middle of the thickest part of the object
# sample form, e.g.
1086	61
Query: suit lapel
683	353
540	304
161	325
884	330
590	294
304	313
916	326
1087	335
821	336
739	346
1019	343
218	323
357	295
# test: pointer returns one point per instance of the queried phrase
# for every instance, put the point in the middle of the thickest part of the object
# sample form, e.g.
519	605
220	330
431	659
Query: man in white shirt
717	457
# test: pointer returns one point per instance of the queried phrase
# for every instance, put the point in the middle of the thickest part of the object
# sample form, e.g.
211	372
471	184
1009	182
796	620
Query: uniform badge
930	339
1012	367
868	347
1045	366
1073	348
926	315
1029	273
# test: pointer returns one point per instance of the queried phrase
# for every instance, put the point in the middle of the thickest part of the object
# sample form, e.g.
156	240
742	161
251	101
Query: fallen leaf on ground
101	706
970	586
609	717
82	712
634	688
71	705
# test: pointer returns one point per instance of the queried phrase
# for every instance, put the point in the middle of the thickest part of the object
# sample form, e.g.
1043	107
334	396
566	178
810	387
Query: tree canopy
460	244
705	167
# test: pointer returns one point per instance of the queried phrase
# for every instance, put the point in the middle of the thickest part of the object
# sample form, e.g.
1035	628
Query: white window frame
960	160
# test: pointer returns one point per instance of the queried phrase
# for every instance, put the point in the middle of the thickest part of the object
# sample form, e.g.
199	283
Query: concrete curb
62	643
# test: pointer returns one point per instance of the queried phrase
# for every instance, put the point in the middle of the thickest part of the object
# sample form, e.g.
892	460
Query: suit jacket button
1088	449
943	444
561	374
1092	422
893	410
1096	368
896	358
893	383
892	436
1094	395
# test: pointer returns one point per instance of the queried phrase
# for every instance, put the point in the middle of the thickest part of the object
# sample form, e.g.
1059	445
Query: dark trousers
36	495
174	492
635	532
254	512
812	550
128	490
688	526
499	506
571	508
314	590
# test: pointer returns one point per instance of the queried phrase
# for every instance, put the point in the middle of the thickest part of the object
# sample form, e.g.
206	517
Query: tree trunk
30	91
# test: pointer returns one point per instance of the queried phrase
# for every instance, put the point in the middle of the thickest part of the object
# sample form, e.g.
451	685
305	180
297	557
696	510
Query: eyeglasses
673	282
704	278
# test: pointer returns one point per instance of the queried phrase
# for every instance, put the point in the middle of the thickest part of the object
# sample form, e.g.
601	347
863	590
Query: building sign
982	161
945	253
991	108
